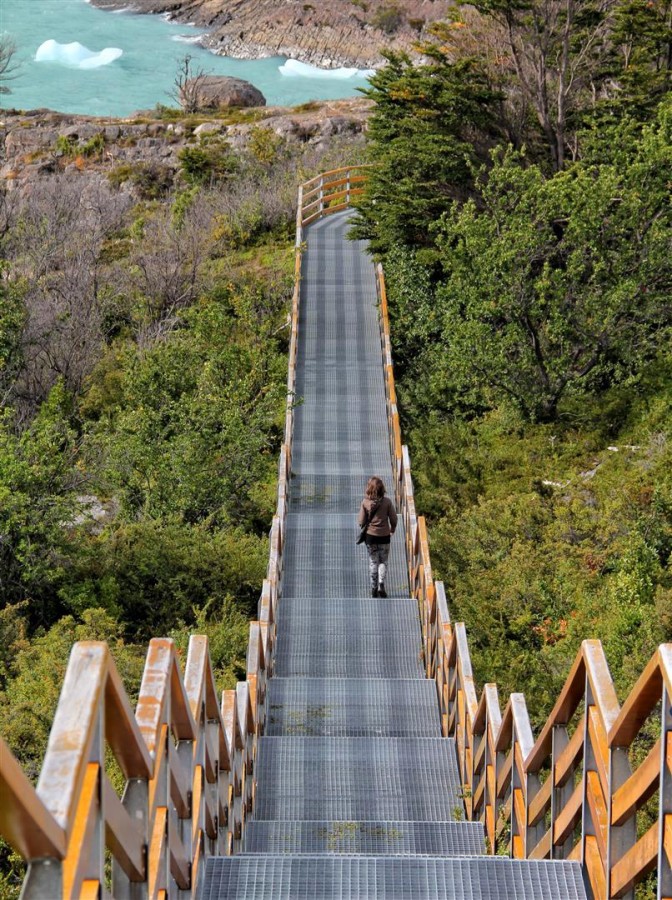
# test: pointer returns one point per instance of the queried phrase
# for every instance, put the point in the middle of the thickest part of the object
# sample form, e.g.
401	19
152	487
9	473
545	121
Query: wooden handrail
330	192
25	820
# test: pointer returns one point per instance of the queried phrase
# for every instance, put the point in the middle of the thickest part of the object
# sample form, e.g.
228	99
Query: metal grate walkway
380	707
357	793
390	878
365	838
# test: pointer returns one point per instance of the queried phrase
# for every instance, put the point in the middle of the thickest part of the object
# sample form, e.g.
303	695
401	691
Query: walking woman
378	511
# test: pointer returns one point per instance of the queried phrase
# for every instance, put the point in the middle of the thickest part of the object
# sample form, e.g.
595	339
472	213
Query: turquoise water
143	76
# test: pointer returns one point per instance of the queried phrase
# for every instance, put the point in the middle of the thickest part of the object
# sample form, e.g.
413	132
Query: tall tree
429	125
552	54
641	55
560	284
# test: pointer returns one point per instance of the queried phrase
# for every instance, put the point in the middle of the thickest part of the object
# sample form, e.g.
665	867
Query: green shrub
265	145
208	162
153	180
387	18
94	146
65	146
153	574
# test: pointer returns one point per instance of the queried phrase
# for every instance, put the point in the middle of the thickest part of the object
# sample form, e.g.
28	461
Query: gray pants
378	556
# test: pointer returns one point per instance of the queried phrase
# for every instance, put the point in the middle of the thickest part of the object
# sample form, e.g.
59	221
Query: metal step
341	383
339	432
317	612
381	652
338	458
321	558
366	838
344	779
352	707
389	878
327	493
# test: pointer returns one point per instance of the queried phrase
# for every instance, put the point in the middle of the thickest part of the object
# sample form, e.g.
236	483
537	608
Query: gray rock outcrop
326	33
31	144
207	92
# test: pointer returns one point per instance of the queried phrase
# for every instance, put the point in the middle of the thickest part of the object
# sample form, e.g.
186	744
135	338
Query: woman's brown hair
375	489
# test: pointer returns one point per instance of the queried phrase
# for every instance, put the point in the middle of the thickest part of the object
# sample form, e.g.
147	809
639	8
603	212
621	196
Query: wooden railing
572	793
184	781
331	192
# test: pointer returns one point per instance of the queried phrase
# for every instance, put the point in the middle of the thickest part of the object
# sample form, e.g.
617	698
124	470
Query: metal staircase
357	792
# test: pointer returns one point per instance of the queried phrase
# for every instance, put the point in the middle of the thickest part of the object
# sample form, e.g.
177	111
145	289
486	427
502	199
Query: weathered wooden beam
25	821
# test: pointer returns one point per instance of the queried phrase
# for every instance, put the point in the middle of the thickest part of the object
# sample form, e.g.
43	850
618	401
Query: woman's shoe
381	590
374	592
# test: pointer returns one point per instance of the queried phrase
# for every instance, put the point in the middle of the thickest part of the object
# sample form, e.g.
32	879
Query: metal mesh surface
391	878
352	707
348	613
359	384
366	838
322	560
329	778
319	792
349	654
327	493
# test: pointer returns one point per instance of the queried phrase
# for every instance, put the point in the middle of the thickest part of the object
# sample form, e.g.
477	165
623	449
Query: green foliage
12	320
153	574
197	430
529	299
207	162
560	284
94	146
429	125
29	697
69	146
265	145
227	630
640	59
36	500
65	146
544	537
387	18
12	871
152	180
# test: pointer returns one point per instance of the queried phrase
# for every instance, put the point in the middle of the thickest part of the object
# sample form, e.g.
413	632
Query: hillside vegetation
143	344
520	201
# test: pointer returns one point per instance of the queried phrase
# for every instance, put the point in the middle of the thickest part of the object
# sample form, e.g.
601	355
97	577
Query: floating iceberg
76	55
295	69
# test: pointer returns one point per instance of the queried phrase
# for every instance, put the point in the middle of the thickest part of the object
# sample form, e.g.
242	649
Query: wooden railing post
535	832
135	801
622	837
561	793
665	797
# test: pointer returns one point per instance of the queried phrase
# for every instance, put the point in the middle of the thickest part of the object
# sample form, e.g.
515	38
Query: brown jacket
384	521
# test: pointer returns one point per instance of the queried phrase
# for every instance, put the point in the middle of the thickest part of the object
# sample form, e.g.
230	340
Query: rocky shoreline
42	142
325	33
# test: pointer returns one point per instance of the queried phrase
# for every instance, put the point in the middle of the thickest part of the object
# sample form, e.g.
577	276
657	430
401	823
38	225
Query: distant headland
326	33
